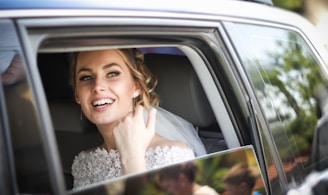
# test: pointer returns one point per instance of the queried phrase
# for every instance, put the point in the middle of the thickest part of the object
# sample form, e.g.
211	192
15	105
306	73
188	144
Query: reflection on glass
285	75
240	180
210	174
29	158
181	180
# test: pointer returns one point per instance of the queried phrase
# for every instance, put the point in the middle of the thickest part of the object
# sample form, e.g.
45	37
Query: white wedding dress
99	165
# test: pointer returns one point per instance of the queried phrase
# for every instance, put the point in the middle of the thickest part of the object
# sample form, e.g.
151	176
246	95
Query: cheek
80	93
127	89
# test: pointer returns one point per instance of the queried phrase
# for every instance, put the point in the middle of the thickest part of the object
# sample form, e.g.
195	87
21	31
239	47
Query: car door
212	48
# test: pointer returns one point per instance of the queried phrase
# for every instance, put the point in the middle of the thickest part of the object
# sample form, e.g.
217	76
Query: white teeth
102	102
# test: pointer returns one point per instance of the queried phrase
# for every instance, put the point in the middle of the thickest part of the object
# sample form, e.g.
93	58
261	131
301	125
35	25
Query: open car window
179	89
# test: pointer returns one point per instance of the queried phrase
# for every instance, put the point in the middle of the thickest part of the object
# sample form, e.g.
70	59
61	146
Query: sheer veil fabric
173	127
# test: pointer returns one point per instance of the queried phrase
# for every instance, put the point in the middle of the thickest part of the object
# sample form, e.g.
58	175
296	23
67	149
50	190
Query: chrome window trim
176	26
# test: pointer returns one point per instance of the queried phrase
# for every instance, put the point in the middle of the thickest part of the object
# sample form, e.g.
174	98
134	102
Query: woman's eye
85	78
113	74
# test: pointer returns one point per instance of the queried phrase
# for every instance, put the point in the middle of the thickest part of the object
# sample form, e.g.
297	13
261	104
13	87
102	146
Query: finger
151	119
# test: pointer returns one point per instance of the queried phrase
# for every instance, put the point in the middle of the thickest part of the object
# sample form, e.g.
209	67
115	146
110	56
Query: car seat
180	92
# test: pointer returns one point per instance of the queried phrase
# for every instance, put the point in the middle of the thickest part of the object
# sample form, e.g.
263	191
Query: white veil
173	127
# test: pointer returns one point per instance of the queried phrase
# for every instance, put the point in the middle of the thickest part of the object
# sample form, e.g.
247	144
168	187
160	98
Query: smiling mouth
102	102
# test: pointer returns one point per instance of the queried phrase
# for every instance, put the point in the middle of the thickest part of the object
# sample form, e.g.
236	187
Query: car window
233	171
27	146
291	89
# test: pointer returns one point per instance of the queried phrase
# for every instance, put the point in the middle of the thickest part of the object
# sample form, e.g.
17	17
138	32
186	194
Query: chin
102	120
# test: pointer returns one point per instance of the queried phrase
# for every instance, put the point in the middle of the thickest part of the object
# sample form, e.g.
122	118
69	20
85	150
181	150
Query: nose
99	85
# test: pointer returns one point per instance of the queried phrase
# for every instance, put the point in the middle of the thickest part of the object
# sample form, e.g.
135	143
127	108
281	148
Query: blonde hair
146	81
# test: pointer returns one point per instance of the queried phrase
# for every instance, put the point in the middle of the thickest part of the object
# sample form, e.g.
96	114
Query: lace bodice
99	165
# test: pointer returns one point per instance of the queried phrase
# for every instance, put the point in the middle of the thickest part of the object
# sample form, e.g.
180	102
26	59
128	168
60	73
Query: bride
116	93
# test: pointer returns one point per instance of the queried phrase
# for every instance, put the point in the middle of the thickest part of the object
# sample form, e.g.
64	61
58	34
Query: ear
137	91
77	98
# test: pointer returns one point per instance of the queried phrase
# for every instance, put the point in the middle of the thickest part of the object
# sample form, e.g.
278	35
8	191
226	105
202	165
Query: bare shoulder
161	141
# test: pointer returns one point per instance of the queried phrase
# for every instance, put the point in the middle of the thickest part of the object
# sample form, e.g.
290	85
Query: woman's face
104	86
180	186
171	186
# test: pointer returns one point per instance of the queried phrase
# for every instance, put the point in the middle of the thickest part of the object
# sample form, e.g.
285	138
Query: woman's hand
132	137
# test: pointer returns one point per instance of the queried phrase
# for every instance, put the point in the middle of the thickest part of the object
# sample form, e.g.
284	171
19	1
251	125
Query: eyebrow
104	67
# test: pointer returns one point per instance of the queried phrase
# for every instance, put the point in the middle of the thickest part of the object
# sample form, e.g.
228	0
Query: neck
106	132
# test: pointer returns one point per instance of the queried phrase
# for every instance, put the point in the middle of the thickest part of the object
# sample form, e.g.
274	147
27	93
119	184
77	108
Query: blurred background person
180	180
240	180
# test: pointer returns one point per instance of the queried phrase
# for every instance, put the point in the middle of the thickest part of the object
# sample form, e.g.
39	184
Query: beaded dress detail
99	165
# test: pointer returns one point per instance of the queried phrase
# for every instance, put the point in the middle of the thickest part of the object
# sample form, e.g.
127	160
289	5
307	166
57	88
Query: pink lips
101	104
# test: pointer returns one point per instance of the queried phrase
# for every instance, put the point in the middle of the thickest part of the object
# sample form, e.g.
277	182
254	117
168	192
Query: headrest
66	116
65	113
179	88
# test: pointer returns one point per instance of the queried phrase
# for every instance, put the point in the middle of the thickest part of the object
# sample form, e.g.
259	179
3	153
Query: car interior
178	87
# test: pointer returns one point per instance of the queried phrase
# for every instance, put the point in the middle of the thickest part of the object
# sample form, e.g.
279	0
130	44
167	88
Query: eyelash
113	73
85	78
110	74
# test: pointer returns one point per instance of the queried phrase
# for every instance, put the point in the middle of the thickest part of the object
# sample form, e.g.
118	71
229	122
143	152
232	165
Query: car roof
239	10
181	6
234	8
80	4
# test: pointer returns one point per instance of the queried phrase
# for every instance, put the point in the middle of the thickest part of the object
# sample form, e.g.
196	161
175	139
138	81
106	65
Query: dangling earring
134	102
81	114
134	99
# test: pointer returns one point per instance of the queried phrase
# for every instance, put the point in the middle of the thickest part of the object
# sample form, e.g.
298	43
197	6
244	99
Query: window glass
30	162
289	85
